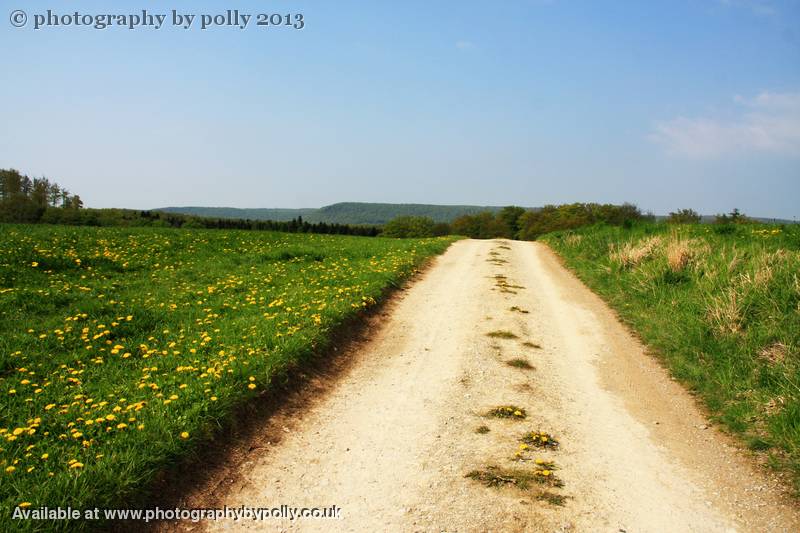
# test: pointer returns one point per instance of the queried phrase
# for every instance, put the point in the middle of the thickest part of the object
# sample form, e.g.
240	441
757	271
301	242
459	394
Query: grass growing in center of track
122	349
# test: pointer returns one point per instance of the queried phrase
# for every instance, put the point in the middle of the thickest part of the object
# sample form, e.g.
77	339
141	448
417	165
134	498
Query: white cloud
768	123
464	45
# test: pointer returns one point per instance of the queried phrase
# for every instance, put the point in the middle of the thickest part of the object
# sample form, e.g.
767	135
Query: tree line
514	222
38	200
161	219
23	199
26	200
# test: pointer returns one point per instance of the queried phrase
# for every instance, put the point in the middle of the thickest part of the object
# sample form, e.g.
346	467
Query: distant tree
53	194
570	216
10	184
484	225
410	226
440	229
684	216
734	217
26	200
509	218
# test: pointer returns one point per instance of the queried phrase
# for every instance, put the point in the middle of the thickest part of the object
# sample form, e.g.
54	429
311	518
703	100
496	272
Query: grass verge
720	305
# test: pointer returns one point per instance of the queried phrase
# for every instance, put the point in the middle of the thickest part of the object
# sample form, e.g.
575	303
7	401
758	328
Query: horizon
665	214
666	105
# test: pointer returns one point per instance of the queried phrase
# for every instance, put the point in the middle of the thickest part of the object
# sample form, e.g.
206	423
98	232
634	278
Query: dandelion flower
185	435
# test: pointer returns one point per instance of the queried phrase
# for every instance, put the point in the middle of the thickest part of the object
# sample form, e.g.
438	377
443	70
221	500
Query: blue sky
666	104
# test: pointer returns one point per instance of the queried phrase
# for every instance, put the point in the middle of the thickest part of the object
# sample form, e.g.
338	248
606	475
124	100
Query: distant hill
365	213
342	213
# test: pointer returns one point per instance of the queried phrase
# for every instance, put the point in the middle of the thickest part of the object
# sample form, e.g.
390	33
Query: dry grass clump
679	254
775	353
766	267
573	239
725	312
631	254
726	309
683	252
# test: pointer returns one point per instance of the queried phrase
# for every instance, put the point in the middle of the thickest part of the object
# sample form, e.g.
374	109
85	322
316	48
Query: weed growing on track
501	334
501	282
529	344
121	350
520	363
523	479
552	498
720	305
539	439
496	259
519	310
508	411
482	430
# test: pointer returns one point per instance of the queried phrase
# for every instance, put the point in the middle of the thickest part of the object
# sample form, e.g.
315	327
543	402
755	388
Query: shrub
684	216
411	227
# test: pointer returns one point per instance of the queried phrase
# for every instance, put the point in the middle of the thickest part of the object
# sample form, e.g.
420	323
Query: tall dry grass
632	253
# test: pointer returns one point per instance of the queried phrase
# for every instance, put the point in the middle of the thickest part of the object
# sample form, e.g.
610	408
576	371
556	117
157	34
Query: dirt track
391	441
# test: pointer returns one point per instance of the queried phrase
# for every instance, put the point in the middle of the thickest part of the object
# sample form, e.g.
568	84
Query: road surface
391	440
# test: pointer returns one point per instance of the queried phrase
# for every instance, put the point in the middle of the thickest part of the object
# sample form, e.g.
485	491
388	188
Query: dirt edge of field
194	482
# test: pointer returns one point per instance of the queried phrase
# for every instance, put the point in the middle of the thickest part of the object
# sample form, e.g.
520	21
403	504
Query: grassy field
122	349
721	306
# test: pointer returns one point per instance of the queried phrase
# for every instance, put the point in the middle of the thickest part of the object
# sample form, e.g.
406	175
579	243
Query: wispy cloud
758	7
464	45
768	123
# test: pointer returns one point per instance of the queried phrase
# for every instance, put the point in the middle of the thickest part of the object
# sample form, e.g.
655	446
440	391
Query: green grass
721	306
123	350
